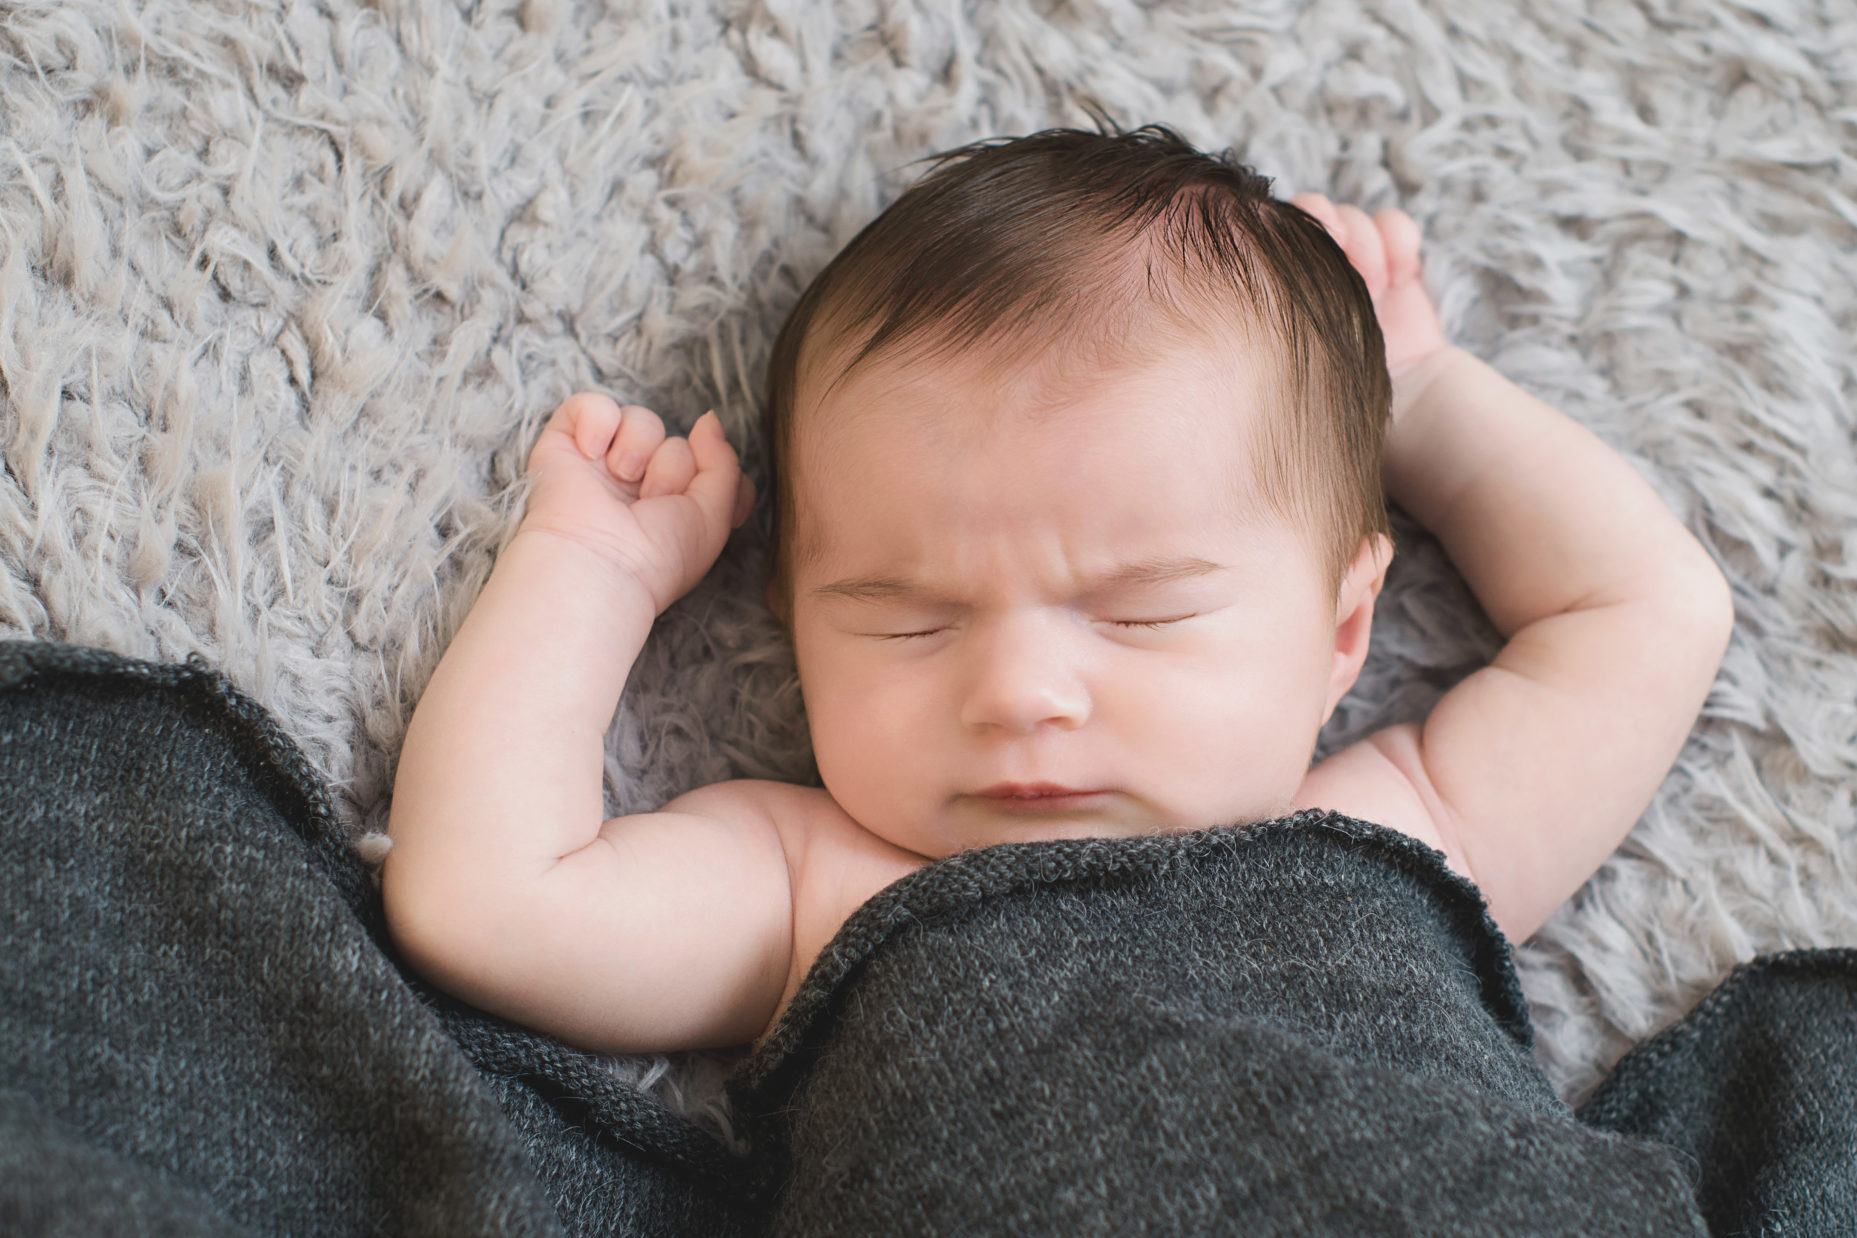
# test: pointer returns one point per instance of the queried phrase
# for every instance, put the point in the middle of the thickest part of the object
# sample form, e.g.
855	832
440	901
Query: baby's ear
1383	558
1368	570
1354	615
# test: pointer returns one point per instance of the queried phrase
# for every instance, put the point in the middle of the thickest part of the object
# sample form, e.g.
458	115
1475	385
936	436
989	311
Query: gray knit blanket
1306	1026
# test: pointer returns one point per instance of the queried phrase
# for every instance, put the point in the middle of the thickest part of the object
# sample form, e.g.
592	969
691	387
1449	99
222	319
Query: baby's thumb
718	472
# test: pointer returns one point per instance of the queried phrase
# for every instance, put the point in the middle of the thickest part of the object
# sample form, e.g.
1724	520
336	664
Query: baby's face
986	512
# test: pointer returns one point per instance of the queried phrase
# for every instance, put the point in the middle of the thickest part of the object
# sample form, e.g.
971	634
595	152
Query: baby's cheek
859	741
1223	743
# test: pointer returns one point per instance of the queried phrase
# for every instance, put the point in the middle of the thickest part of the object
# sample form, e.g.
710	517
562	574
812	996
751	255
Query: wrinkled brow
1153	571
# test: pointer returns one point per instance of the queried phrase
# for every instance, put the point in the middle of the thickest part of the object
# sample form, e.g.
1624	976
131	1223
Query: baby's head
1066	385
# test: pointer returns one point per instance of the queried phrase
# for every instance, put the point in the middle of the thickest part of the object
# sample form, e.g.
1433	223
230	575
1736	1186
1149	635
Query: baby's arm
655	931
1537	766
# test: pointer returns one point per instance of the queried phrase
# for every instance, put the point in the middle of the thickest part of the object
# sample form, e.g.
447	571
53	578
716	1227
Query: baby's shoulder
831	857
834	864
818	835
825	847
1382	779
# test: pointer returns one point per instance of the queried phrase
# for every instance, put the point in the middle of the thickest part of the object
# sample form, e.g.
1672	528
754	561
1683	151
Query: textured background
288	289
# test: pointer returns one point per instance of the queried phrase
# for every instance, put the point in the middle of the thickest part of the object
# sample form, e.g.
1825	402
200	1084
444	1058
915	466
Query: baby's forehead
1174	432
1032	380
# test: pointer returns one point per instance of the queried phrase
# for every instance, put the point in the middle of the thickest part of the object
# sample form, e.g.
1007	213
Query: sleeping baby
1081	454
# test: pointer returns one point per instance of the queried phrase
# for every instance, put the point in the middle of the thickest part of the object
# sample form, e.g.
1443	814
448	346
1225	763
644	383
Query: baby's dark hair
1100	242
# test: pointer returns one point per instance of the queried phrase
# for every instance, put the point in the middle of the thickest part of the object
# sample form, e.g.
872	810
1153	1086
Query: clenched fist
1384	248
657	509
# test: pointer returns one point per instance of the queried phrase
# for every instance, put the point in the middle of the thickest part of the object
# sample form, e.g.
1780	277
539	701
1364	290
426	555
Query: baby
1079	452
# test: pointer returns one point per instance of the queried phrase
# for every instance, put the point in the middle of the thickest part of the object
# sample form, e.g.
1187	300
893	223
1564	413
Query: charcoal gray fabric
1757	1089
1306	1026
202	1027
1302	1026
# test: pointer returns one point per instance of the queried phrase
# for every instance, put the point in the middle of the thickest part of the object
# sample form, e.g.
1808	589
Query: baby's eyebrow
1150	571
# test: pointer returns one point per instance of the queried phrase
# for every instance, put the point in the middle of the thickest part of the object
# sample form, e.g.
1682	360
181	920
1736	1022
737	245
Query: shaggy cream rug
289	287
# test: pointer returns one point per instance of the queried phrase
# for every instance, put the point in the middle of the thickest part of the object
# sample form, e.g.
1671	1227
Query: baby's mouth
1037	797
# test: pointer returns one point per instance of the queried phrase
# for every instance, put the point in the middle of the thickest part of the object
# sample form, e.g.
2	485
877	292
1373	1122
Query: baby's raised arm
655	931
1533	769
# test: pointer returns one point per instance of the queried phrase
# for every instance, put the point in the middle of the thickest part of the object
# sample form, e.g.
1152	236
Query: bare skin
1179	703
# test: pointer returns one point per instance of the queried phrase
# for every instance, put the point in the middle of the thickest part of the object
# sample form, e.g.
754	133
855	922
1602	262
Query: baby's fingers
639	436
719	487
744	502
1323	210
1401	235
1364	247
591	418
586	420
670	470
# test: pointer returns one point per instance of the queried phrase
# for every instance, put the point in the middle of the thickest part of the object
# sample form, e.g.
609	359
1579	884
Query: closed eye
1120	623
1151	623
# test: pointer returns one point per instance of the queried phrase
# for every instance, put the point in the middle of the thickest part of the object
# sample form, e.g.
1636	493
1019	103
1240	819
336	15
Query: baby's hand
657	509
1385	250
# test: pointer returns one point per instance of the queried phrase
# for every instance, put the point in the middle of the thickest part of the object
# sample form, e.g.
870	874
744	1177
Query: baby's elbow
1693	601
1708	601
421	923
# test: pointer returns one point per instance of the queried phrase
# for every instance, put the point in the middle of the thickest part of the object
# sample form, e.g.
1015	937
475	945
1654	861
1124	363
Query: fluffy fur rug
288	288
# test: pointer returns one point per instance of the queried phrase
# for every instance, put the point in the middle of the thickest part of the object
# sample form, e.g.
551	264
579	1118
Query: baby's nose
1021	676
